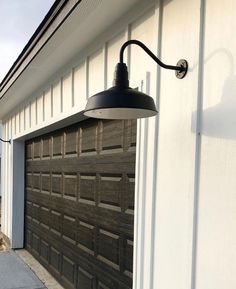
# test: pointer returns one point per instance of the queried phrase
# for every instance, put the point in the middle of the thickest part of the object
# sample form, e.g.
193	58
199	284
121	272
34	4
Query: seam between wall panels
136	199
10	191
140	201
87	76
61	94
24	124
2	175
30	118
198	142
128	37
7	184
105	65
43	106
159	17
71	75
3	183
51	91
36	111
142	209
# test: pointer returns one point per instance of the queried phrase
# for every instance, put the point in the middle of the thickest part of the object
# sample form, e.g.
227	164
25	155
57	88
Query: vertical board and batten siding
186	158
145	149
216	246
175	175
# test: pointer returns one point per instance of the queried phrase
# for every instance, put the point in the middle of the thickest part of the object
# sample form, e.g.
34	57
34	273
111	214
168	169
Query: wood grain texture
80	203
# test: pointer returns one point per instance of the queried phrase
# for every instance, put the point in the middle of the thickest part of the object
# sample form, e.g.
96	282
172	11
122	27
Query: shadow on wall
220	120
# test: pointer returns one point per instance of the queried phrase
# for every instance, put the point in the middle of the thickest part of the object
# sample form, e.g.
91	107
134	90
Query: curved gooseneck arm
5	140
182	67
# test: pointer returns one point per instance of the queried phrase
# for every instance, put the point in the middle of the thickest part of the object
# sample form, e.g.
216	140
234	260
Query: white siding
216	258
67	93
13	124
79	86
33	116
56	99
176	148
112	56
186	157
27	120
47	104
17	123
95	73
40	110
144	69
22	120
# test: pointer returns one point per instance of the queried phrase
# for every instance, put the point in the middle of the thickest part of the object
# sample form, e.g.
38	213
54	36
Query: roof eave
58	13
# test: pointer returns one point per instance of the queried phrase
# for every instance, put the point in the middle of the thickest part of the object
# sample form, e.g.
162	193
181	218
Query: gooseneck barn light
123	102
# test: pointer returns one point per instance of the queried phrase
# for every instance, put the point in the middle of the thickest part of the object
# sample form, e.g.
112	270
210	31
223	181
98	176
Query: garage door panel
46	147
124	162
71	142
80	203
101	264
104	217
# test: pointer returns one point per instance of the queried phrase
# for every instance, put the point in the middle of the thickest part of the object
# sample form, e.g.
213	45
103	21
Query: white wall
176	148
216	258
186	157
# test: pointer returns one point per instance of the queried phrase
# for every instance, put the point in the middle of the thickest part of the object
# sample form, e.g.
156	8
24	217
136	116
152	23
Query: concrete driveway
15	274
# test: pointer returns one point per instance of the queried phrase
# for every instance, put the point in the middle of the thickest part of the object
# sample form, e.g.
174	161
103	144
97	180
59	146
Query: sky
18	21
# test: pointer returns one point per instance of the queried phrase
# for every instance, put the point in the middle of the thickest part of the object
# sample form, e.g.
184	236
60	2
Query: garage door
80	203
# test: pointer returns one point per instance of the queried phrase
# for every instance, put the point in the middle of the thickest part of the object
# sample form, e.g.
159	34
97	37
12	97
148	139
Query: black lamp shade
120	103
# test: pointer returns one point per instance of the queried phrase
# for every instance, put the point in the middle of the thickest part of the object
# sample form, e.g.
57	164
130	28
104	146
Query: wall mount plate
181	73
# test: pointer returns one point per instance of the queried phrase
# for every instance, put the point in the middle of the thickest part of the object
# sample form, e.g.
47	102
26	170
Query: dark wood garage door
80	203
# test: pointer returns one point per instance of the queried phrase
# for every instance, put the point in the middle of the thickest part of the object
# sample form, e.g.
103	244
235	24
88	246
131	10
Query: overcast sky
18	21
